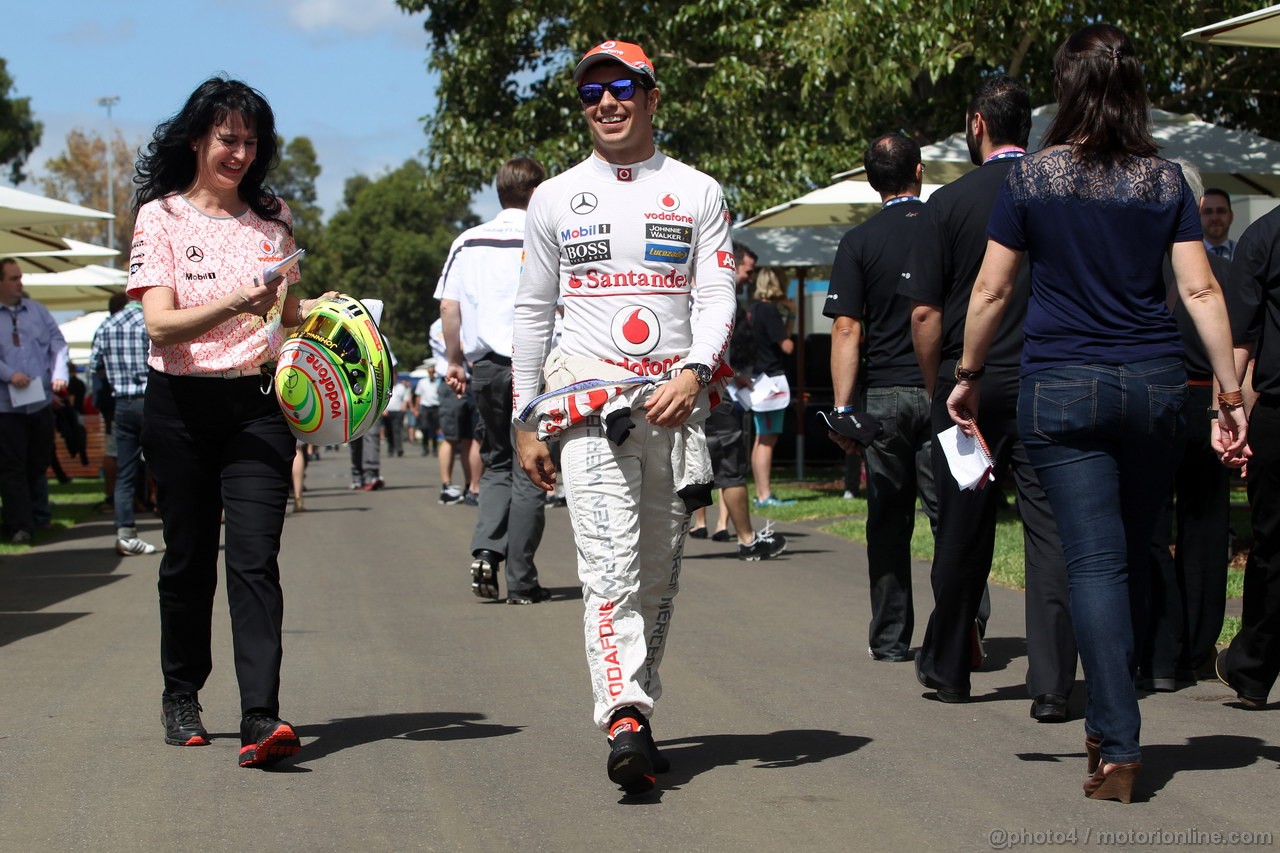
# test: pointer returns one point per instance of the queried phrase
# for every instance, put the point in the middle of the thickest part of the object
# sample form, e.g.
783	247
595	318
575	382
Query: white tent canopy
1239	162
1255	29
844	203
18	208
87	288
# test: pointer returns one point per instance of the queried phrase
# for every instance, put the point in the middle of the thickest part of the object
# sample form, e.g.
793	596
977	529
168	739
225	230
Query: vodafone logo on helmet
635	330
608	45
668	202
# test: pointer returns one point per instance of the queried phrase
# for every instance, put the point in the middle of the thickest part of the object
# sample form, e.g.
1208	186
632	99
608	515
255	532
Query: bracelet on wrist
1229	400
841	410
963	375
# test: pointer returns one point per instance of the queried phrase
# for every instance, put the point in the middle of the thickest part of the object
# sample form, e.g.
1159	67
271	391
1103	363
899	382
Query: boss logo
592	250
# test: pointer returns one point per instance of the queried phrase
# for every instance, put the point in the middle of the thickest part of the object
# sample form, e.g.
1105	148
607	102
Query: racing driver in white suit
637	246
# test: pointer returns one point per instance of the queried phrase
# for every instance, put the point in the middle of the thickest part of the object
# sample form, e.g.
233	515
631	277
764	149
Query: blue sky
349	74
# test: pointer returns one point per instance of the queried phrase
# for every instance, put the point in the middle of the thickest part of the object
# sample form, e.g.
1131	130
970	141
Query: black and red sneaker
264	740
630	762
180	713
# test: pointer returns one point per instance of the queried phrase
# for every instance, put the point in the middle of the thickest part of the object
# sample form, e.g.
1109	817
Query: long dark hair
169	164
1102	98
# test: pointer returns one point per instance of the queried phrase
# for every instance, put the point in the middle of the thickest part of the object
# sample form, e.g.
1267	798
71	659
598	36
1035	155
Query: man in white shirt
477	296
638	246
393	418
427	393
1215	219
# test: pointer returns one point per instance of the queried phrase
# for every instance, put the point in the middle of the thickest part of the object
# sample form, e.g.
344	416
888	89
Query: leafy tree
294	180
79	175
773	96
19	132
389	241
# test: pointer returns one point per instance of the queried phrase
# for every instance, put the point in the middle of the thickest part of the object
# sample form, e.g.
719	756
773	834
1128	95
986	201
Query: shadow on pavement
777	750
337	735
1162	761
16	626
1002	651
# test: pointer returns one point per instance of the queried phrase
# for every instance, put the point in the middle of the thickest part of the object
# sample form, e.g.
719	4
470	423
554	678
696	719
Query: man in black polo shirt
939	277
1251	663
873	322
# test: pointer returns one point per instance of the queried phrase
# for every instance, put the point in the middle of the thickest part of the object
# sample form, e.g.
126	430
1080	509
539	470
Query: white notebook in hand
968	457
33	393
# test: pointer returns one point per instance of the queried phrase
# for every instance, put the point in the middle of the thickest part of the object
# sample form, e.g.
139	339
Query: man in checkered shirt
120	345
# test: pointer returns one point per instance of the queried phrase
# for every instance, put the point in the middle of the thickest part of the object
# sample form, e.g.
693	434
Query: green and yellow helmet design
334	376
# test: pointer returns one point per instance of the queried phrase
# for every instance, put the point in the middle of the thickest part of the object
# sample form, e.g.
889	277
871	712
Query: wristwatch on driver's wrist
700	372
963	375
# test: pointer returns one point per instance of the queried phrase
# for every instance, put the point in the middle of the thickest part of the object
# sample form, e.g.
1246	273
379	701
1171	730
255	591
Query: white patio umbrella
87	288
1239	162
944	161
20	209
814	246
1255	29
844	203
21	240
77	254
79	334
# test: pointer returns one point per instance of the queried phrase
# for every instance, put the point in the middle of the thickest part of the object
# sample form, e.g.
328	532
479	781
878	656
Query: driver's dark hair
169	165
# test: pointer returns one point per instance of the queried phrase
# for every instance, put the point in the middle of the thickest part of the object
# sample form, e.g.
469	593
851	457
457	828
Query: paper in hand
968	458
281	267
33	393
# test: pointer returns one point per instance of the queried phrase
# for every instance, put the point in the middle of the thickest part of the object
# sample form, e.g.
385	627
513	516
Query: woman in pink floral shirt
213	434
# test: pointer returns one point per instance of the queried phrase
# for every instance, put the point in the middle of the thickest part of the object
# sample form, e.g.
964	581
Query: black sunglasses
622	90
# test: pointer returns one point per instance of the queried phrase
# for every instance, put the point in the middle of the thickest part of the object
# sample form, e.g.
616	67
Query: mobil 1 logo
587	252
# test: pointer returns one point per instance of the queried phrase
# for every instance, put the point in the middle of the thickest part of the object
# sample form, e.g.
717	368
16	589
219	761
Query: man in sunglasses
33	362
637	245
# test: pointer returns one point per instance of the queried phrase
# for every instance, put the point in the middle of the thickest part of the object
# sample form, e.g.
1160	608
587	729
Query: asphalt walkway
431	720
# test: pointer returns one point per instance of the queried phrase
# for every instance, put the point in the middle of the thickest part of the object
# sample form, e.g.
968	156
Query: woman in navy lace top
1103	389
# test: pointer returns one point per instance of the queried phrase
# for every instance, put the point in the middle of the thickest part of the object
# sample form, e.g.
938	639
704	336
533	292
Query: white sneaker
848	495
134	547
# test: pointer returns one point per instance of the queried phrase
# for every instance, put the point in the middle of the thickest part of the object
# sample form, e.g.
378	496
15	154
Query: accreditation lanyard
902	199
1011	152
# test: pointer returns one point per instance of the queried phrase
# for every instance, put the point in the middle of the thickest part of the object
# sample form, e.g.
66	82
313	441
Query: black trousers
965	543
215	445
512	509
26	446
1189	589
1253	659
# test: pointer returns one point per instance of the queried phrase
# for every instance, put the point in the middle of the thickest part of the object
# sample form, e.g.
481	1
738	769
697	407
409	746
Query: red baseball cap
630	55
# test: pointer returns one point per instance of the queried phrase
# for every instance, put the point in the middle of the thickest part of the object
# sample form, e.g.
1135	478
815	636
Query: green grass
69	505
818	500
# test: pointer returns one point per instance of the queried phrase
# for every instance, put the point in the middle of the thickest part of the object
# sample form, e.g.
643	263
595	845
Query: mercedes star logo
583	203
194	254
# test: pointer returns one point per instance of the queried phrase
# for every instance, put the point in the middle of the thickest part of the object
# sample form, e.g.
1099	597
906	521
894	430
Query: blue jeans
899	468
1103	440
128	434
